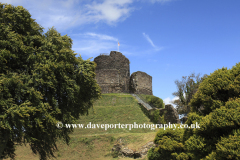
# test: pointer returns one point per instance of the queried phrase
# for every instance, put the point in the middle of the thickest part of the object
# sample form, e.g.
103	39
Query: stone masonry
170	114
113	75
141	83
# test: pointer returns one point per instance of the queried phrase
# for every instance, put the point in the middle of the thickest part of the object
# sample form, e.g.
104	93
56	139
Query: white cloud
109	11
64	14
92	44
168	100
100	36
92	48
149	40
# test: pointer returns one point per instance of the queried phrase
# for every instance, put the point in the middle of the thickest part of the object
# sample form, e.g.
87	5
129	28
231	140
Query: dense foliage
155	101
216	107
41	83
169	141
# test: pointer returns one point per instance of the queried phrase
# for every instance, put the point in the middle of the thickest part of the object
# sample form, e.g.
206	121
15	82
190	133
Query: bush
155	101
228	147
152	155
169	141
155	116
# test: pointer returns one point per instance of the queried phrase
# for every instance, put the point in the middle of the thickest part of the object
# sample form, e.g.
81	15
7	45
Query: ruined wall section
141	83
112	73
170	114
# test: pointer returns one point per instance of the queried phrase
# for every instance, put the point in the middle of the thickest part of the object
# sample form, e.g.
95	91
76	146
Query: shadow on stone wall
170	114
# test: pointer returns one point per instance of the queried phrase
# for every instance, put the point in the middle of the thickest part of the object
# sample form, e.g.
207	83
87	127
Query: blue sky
167	39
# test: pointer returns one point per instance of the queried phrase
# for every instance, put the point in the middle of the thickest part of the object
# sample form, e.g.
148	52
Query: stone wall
141	83
170	114
112	73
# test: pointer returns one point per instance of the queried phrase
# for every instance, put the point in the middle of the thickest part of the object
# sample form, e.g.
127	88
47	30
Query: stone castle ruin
113	75
140	83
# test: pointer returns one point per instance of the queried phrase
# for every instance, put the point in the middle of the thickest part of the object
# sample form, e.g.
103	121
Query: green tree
216	108
187	87
219	133
216	104
42	82
216	90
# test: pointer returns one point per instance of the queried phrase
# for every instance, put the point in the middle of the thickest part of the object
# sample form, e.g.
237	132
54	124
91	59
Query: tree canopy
187	87
216	108
42	82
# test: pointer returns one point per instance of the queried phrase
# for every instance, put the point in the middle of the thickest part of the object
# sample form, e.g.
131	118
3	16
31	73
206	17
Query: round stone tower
112	72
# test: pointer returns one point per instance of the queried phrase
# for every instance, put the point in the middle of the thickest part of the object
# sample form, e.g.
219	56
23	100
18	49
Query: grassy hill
97	143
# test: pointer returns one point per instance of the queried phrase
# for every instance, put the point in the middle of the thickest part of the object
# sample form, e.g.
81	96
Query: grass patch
113	109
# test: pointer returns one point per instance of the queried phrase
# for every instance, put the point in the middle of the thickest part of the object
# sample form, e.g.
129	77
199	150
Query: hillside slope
97	143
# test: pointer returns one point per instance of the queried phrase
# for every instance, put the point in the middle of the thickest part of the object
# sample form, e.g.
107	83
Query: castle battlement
113	75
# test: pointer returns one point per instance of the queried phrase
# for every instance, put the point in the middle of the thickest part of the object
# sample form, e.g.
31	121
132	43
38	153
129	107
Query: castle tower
141	83
112	72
